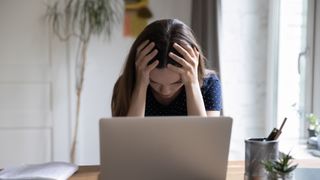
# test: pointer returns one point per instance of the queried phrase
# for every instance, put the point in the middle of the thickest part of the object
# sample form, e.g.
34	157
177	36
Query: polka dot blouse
211	94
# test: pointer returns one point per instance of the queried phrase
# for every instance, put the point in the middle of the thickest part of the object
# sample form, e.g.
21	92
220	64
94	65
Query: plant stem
79	92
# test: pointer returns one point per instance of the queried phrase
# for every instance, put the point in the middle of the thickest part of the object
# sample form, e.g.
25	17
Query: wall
243	68
105	60
33	87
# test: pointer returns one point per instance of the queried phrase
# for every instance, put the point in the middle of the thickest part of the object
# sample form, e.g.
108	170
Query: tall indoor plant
82	19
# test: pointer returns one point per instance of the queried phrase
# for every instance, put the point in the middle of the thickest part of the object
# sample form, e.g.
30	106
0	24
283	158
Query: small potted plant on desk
281	169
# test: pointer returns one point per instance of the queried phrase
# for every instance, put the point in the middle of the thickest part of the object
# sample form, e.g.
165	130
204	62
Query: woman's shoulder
211	82
210	75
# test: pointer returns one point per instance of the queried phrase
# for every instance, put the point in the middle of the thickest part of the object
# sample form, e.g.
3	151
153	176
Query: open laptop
166	148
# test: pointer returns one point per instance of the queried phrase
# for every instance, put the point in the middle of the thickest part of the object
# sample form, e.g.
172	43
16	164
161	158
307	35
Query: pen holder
256	151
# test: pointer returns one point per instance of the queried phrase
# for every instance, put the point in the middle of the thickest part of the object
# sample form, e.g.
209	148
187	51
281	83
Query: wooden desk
235	170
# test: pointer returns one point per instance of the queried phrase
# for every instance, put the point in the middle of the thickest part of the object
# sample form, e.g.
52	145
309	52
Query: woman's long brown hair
163	33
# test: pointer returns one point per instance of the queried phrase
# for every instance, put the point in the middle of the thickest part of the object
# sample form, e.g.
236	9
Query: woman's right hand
143	56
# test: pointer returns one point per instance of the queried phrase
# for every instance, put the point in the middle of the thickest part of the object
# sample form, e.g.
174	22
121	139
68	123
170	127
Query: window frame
310	59
272	65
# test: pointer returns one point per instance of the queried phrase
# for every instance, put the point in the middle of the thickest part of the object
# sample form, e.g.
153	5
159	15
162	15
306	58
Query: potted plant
313	128
281	169
82	19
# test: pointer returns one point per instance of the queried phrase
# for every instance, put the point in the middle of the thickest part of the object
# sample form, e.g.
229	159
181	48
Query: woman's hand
189	63
189	76
143	56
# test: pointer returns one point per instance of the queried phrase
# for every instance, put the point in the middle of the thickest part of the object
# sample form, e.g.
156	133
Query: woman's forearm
138	102
195	104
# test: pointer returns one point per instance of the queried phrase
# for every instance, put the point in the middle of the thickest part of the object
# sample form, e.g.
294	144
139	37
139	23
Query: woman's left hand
189	63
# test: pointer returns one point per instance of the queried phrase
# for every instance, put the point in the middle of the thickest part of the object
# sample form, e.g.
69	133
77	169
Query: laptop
164	148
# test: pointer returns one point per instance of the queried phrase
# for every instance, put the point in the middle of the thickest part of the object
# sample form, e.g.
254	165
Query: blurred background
267	54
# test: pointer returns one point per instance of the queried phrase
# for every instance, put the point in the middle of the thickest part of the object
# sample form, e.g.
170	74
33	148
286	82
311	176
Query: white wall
105	60
243	68
33	90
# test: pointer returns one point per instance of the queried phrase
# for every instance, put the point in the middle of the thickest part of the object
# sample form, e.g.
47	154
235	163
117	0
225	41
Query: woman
164	75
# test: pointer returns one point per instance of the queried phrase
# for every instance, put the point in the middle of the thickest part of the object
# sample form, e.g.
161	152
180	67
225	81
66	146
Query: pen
275	133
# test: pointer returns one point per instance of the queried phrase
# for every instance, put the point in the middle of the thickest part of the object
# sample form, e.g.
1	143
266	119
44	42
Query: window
291	68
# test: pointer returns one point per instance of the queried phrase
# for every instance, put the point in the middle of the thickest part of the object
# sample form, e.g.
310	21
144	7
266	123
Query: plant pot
318	142
311	132
280	176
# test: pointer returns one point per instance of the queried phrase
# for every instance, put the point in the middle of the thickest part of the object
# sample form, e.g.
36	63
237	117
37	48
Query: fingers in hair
149	57
188	48
152	66
175	69
142	45
145	52
178	59
182	51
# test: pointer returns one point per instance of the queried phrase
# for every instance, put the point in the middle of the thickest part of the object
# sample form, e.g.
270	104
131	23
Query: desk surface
235	170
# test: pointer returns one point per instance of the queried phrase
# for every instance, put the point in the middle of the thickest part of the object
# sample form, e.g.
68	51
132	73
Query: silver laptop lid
164	148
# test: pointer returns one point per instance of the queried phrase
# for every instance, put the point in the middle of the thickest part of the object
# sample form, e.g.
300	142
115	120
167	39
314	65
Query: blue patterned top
211	93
